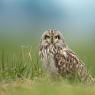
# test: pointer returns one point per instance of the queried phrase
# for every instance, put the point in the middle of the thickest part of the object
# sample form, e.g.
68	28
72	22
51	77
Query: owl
58	59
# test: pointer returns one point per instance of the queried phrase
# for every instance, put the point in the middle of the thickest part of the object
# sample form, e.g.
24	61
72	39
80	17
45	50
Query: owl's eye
57	37
46	37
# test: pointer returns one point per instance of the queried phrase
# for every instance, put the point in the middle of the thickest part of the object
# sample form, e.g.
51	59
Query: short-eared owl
57	58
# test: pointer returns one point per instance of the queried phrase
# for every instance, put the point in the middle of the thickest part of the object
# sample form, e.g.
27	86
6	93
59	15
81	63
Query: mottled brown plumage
58	59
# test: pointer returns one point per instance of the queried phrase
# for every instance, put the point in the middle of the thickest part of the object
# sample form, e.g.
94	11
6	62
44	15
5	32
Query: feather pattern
57	58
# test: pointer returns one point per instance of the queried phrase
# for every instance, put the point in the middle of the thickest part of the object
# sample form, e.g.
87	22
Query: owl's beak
52	40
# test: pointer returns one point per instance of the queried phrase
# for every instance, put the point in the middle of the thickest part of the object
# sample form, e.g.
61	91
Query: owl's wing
68	62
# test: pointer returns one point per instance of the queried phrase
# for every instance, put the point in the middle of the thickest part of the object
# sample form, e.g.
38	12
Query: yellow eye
46	37
57	37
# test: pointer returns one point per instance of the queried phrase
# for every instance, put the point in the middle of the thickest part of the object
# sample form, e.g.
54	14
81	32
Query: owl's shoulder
69	56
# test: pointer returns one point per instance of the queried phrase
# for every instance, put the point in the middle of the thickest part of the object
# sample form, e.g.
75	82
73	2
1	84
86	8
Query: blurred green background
22	23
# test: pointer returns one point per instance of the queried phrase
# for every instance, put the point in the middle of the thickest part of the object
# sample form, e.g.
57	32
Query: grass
20	63
21	73
44	86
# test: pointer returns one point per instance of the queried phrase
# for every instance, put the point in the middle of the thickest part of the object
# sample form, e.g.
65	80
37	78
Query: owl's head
52	37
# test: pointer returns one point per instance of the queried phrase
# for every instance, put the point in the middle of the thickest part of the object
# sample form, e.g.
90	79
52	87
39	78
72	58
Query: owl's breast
48	60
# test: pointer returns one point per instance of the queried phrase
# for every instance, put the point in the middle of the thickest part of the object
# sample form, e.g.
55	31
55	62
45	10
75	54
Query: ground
44	86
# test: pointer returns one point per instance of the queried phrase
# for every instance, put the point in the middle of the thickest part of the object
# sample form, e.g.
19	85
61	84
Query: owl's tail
84	75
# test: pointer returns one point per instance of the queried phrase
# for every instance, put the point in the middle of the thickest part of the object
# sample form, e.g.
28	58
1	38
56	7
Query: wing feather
69	64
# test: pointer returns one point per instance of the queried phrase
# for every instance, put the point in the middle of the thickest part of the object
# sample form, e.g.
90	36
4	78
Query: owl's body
58	59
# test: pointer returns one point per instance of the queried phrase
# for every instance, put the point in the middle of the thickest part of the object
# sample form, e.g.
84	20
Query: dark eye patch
46	37
57	37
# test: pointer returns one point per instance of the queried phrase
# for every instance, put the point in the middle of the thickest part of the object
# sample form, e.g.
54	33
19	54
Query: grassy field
21	72
44	86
